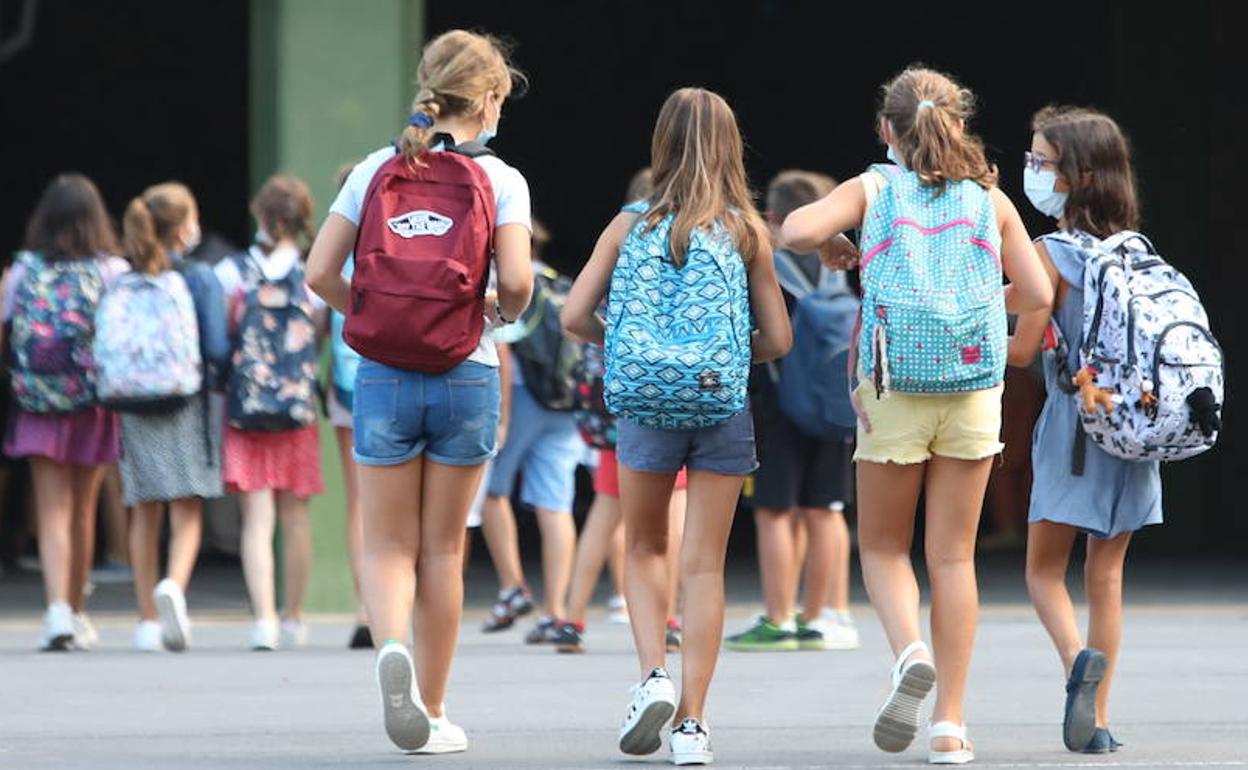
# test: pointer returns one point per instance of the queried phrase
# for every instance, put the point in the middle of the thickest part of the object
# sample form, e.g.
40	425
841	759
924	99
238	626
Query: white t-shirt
275	265
511	206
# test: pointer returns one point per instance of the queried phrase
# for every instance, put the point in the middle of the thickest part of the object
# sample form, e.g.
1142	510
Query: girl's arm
513	244
580	311
1030	288
1029	332
774	336
329	253
504	394
807	228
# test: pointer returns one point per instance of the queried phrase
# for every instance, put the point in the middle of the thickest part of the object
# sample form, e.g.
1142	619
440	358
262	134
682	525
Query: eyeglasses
1036	161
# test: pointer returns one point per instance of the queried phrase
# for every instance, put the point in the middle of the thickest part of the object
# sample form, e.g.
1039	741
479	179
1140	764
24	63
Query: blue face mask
1038	187
891	155
487	134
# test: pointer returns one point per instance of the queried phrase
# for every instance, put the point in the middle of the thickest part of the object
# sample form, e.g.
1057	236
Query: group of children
689	292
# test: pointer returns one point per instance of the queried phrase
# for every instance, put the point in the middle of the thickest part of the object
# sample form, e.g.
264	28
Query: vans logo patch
419	222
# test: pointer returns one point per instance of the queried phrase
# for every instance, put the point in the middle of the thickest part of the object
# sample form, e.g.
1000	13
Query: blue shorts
547	447
452	418
727	448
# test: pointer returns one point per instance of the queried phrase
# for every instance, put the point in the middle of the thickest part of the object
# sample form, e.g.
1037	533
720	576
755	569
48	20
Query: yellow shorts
907	428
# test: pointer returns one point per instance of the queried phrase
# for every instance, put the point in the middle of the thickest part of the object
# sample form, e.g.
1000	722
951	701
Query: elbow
1019	358
796	237
774	346
573	322
1040	299
514	293
318	279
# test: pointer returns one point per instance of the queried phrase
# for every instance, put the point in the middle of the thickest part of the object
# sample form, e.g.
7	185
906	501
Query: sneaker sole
693	758
62	643
791	646
172	635
898	722
1079	724
570	649
406	724
829	646
442	748
645	736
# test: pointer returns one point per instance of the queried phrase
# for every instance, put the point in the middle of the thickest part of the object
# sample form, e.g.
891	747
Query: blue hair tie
421	120
925	103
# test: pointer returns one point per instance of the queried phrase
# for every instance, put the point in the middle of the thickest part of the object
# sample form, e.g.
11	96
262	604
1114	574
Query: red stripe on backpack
422	260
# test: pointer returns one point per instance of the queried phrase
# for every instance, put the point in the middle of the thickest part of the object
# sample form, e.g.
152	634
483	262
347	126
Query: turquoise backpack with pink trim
933	308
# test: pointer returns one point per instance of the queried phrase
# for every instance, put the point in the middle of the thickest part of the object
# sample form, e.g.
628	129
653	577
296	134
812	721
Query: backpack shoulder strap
1119	241
790	276
473	149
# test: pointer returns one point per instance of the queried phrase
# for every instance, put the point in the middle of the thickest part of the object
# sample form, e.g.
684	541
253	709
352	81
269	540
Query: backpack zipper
1161	340
1131	315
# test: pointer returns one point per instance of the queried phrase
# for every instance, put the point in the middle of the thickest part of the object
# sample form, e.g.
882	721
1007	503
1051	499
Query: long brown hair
152	221
70	221
928	112
458	69
1095	158
698	164
283	207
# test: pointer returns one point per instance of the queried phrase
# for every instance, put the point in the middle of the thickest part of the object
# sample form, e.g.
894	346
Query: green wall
331	81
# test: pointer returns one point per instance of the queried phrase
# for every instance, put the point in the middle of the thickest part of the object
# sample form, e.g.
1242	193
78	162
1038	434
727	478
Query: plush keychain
1148	399
1093	396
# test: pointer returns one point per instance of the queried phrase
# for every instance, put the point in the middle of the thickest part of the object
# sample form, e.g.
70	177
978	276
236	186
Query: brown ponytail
283	207
458	70
138	237
927	112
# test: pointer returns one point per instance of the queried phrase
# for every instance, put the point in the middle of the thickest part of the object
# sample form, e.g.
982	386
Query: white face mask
262	236
1039	186
892	155
193	239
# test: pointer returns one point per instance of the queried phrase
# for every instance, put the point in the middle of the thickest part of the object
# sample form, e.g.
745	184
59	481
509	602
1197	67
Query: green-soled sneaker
763	636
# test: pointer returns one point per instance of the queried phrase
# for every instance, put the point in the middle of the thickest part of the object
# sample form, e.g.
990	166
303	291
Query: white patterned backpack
1150	378
147	353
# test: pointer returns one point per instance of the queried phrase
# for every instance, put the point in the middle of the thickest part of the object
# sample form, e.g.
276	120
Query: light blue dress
1112	496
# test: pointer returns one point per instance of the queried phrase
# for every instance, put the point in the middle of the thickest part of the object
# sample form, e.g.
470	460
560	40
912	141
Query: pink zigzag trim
884	244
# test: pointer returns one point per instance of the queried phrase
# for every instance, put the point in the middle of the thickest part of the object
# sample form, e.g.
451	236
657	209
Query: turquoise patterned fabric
933	309
678	338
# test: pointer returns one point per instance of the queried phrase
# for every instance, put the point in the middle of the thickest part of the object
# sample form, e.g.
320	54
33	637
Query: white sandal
959	756
897	721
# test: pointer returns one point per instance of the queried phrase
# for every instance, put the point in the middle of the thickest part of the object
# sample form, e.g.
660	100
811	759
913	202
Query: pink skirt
90	436
287	460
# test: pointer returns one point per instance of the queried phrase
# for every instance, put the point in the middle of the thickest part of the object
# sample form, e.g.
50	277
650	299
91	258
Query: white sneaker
147	636
617	610
85	635
294	634
58	628
445	737
691	744
264	635
406	722
837	630
174	624
654	702
897	722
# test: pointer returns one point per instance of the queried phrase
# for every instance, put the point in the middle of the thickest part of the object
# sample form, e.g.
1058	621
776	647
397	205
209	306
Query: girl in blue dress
1079	172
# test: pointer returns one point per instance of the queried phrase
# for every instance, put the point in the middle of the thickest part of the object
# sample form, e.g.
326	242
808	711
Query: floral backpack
595	423
272	385
53	333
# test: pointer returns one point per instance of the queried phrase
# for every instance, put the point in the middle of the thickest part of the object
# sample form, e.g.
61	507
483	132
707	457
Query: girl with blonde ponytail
171	458
934	227
417	477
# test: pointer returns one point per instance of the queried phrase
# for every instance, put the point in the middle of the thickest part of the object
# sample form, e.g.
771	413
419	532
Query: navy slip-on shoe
1102	742
1079	725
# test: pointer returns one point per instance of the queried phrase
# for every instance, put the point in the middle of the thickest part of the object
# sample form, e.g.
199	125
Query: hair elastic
421	120
925	103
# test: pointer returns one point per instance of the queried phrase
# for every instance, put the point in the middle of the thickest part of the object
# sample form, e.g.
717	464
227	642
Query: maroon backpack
422	259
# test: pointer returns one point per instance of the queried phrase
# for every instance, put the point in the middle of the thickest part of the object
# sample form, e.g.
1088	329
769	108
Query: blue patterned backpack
53	333
933	309
678	338
272	385
345	361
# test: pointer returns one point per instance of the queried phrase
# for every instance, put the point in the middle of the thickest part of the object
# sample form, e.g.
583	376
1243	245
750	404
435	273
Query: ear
886	130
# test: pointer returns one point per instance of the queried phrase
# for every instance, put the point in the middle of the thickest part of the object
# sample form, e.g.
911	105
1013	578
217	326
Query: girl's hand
855	398
839	253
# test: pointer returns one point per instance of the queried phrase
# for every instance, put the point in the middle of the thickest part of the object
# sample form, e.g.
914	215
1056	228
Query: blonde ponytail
458	71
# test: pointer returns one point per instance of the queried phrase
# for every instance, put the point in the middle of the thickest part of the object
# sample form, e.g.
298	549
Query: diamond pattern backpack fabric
678	338
933	309
53	334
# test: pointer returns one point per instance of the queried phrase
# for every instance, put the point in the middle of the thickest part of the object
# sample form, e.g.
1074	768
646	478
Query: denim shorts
726	448
544	447
452	418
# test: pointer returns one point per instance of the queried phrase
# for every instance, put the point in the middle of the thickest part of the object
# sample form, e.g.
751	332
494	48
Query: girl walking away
1079	172
934	227
426	392
49	302
686	269
272	447
161	343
